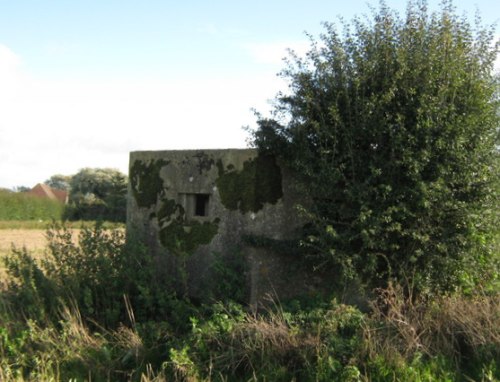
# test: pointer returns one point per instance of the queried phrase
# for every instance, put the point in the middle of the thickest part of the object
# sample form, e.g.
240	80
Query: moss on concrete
146	183
168	209
183	238
247	190
179	235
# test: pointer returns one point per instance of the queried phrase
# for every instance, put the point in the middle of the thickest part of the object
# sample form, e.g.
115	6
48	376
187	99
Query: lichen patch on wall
180	235
146	183
184	237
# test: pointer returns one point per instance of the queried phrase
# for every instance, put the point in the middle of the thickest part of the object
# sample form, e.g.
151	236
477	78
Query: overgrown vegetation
20	206
92	311
391	129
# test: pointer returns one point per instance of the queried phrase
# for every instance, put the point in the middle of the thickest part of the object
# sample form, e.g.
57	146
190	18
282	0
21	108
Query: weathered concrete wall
188	205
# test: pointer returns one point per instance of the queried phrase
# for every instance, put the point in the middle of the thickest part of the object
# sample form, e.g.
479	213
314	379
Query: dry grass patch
454	326
32	239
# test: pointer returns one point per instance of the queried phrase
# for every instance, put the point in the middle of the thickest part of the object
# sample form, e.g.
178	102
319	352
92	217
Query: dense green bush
391	127
21	206
94	273
100	284
321	344
97	194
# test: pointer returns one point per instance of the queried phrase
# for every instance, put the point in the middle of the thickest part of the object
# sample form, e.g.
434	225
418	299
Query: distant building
43	191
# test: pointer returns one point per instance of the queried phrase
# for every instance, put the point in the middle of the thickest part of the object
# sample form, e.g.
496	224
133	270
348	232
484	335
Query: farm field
32	239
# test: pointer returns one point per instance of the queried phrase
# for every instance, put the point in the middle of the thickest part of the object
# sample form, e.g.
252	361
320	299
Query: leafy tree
59	182
391	127
98	193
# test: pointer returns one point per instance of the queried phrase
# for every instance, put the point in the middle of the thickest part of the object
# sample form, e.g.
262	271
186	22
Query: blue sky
83	83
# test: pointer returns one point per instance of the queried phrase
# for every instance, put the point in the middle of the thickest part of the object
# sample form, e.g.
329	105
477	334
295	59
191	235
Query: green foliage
438	369
391	128
21	189
20	206
229	278
59	182
391	131
45	335
247	190
94	273
97	194
74	303
454	333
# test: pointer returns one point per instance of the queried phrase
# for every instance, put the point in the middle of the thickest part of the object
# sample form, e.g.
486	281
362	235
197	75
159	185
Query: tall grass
21	206
462	329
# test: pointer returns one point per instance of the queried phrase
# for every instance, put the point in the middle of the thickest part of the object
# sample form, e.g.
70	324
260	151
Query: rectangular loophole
201	204
195	205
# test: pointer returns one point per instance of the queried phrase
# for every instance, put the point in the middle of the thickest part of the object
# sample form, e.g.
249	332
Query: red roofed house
43	191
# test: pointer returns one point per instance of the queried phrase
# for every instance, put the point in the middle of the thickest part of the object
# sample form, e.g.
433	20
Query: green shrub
95	273
97	194
74	305
390	126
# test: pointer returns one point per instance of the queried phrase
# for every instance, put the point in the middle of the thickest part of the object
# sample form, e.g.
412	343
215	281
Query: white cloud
11	76
9	61
49	126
